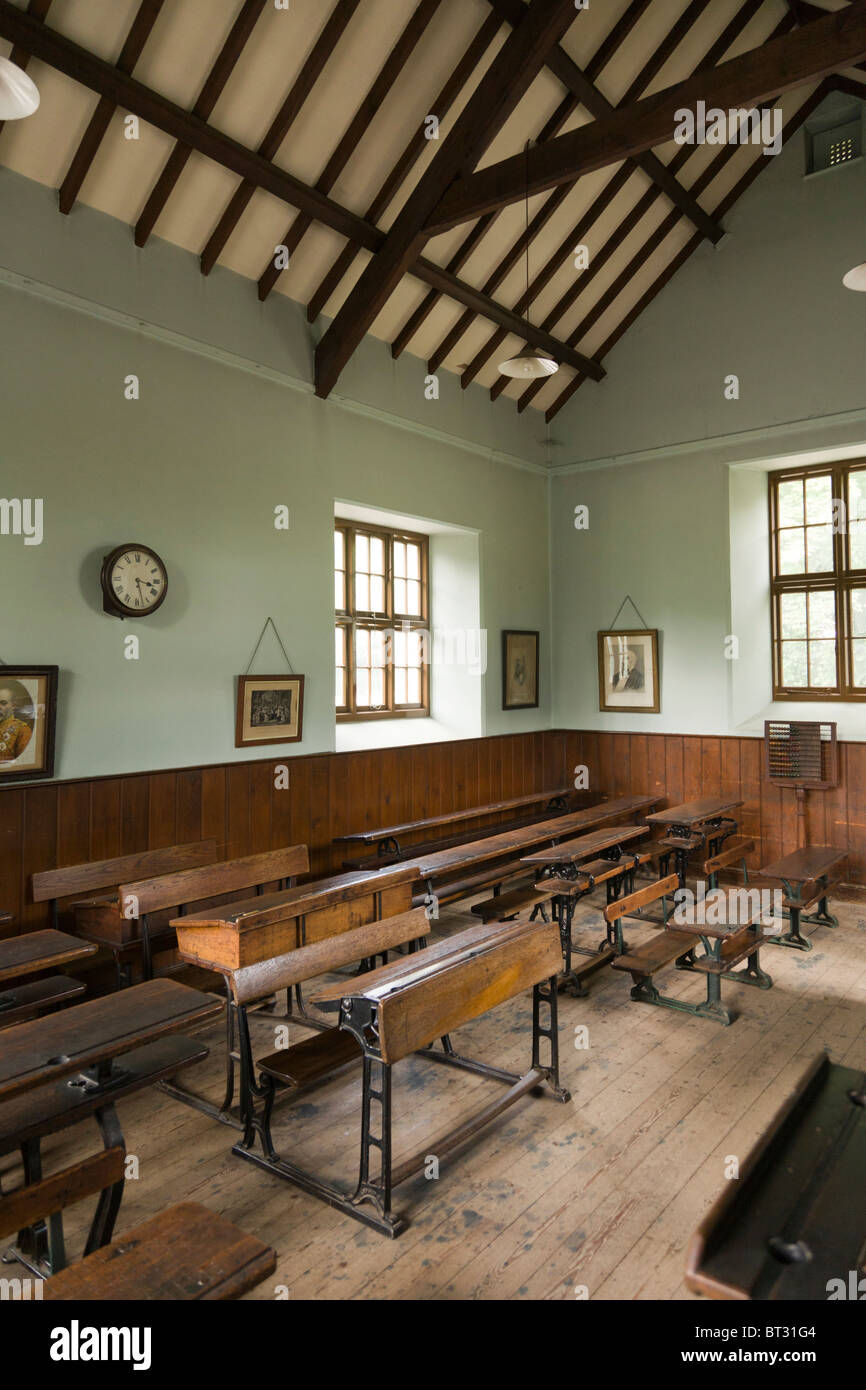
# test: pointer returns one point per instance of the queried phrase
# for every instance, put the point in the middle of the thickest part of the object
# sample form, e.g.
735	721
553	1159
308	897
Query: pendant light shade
856	278
19	95
533	363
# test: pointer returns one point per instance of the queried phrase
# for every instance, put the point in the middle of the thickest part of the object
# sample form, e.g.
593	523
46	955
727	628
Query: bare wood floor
600	1195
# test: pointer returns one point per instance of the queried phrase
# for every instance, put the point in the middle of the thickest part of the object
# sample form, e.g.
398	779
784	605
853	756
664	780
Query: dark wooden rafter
321	51
655	62
412	152
807	12
38	9
82	66
210	93
850	86
791	126
376	94
139	33
598	106
503	85
810	53
603	54
602	255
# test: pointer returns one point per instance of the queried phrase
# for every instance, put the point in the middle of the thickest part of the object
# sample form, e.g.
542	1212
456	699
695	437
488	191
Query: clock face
134	580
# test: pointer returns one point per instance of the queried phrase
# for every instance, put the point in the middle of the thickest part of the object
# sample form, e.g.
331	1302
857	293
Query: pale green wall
195	468
650	451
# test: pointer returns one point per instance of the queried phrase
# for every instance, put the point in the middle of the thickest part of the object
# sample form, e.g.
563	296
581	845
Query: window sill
360	734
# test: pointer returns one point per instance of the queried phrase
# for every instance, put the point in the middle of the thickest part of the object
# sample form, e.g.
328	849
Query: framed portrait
28	713
628	670
519	670
270	710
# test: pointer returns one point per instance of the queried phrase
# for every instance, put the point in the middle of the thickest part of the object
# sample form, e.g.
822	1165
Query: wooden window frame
839	581
351	620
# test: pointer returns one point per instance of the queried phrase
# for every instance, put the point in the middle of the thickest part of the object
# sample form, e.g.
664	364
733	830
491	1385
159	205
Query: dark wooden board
804	864
39	950
585	845
370	837
690	812
107	873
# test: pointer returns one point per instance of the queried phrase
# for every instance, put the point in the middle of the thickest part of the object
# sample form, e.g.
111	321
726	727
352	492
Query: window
381	635
818	582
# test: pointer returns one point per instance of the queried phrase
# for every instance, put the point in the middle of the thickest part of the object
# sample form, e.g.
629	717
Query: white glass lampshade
856	278
534	363
19	95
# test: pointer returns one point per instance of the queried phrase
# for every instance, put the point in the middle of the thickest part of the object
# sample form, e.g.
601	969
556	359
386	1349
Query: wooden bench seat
654	953
184	1253
734	948
473	883
505	905
22	999
313	1060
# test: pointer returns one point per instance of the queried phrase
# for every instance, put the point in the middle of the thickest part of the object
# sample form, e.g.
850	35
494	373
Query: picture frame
520	669
28	718
628	670
270	709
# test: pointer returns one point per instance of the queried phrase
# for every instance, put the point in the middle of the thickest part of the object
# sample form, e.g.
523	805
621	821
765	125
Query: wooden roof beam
334	28
355	131
139	33
504	83
602	55
694	242
815	51
82	66
598	106
213	87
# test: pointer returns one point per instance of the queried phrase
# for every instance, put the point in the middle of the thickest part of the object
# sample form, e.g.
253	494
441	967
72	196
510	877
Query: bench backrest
448	984
212	881
257	981
625	907
108	873
736	848
27	1205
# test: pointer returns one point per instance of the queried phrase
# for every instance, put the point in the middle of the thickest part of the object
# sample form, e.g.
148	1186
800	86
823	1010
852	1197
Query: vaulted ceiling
304	125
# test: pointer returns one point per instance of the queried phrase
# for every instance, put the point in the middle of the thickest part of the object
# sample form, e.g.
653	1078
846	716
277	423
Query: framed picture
520	670
628	670
28	712
270	710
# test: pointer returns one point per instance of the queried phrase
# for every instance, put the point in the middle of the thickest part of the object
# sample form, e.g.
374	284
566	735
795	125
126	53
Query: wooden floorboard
600	1195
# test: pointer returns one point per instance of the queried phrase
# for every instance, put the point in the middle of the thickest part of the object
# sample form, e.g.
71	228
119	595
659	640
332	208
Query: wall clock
134	581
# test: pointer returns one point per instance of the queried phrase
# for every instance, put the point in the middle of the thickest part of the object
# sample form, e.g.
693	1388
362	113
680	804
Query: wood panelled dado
53	824
683	767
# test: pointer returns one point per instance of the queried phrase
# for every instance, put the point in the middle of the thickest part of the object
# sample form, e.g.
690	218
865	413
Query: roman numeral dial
134	581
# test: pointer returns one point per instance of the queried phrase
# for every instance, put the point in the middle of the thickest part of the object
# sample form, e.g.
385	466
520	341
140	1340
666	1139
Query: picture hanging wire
269	622
628	599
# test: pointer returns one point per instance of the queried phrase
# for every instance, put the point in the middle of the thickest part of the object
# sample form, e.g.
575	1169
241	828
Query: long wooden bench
99	918
465	869
28	955
387	838
734	935
184	1253
404	1008
142	898
793	1225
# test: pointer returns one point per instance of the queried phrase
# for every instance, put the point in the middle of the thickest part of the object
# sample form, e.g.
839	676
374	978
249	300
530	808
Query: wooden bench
28	955
805	879
505	905
100	919
455	873
138	900
387	838
737	937
793	1225
403	1008
737	847
184	1253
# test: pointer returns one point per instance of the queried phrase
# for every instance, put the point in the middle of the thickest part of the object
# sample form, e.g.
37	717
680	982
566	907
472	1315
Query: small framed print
28	713
628	670
519	670
270	710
